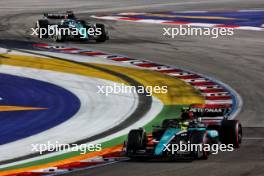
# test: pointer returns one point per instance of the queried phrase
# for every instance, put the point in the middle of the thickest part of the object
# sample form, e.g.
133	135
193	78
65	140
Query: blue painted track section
20	91
241	18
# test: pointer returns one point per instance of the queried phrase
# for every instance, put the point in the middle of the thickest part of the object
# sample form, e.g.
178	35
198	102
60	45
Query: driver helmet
186	114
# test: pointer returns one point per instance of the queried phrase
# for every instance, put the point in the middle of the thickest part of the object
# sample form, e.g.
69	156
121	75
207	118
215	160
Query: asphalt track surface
236	61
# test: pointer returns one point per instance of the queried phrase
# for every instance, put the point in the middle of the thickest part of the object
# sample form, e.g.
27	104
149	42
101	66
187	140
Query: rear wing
207	111
63	15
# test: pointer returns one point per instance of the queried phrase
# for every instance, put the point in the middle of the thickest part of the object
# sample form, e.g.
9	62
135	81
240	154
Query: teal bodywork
171	132
197	129
73	24
165	139
213	133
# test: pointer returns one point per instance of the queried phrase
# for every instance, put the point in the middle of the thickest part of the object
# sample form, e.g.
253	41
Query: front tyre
136	141
200	138
58	38
59	35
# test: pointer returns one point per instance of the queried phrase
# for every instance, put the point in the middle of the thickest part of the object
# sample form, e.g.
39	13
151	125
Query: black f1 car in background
193	127
65	26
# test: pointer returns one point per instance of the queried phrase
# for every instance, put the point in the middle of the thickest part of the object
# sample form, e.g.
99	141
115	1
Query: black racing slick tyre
58	38
42	25
231	133
201	138
103	37
136	141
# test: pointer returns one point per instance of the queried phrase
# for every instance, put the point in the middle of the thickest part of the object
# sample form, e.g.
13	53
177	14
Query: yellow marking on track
19	108
179	92
56	65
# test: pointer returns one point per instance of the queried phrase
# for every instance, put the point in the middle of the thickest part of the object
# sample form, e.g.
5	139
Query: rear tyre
42	25
200	137
136	141
103	37
231	133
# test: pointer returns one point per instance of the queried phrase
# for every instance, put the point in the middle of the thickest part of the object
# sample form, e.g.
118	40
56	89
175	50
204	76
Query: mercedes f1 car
199	124
65	26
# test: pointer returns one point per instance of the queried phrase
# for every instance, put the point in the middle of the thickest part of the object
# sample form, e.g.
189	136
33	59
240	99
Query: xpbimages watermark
197	31
183	147
122	88
52	30
55	147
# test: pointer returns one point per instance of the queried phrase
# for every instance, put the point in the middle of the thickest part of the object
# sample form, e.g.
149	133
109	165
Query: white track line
115	116
95	109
